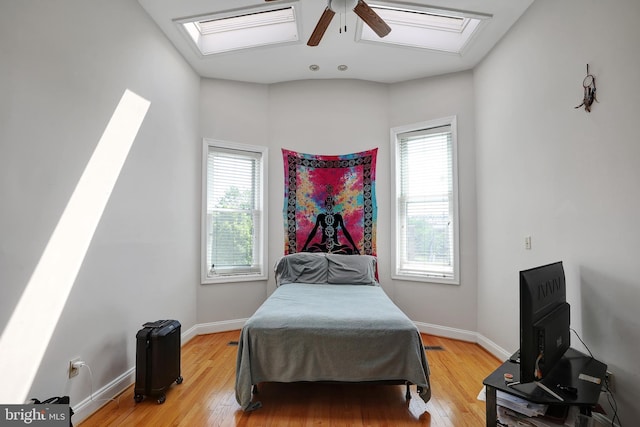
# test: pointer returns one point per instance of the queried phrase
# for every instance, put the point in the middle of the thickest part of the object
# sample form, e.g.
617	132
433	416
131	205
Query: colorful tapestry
330	203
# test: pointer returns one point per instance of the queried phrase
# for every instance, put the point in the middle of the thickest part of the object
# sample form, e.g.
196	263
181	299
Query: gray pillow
352	269
302	267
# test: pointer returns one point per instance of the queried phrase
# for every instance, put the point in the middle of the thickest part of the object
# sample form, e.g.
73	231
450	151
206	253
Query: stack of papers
520	405
510	418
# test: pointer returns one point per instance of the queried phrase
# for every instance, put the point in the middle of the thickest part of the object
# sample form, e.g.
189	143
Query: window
425	197
242	29
234	232
425	27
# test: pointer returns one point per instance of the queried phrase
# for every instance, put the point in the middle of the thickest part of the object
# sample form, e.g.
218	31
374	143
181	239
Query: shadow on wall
611	329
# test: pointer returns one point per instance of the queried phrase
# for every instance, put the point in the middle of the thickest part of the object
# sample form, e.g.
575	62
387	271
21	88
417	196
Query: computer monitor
544	320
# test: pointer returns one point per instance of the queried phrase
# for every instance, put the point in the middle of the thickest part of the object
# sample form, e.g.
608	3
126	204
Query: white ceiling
366	61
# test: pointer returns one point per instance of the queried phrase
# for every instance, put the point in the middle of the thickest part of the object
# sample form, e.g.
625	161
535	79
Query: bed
329	321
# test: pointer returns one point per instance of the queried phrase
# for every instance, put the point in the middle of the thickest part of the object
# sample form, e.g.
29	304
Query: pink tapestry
330	203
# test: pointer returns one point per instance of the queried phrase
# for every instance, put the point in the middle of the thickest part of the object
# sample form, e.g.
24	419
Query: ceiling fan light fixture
360	7
342	5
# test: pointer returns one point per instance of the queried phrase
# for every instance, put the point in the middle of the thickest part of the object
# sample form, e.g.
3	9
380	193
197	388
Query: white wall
339	117
444	306
329	117
64	67
567	178
234	112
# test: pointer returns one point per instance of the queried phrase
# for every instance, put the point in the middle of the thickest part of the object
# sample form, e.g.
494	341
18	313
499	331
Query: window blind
234	212
425	203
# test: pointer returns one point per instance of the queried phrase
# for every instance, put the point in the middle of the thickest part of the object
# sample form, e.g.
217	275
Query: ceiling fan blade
321	27
372	19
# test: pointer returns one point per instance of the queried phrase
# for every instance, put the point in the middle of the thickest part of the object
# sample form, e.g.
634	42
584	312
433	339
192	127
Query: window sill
426	279
234	278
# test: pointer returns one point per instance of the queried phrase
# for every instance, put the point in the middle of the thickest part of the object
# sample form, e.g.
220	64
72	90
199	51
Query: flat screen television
544	320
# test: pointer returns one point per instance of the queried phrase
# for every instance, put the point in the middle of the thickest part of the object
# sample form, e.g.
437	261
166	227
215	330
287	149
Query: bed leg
254	390
408	393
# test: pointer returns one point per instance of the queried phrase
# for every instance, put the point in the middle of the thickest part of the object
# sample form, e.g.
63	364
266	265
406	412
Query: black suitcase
157	359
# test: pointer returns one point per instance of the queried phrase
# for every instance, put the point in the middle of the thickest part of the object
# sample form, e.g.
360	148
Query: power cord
610	397
612	402
585	346
81	364
537	373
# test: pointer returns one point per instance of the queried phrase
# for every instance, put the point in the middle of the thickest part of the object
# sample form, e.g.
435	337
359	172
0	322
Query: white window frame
398	271
424	27
241	29
207	275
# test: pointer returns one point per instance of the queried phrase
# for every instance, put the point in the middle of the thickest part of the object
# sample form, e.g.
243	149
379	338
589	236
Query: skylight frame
268	25
428	34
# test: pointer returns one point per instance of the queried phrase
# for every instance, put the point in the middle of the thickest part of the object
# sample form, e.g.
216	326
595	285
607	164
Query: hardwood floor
207	395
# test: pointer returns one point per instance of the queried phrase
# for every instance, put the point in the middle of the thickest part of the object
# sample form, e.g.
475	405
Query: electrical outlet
610	382
74	370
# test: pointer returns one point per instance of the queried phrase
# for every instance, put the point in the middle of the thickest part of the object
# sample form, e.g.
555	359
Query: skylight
426	28
220	33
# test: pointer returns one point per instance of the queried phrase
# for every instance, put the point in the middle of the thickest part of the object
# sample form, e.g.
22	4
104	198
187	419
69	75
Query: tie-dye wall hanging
330	202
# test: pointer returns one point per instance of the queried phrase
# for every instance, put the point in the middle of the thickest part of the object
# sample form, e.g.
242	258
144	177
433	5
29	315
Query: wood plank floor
207	395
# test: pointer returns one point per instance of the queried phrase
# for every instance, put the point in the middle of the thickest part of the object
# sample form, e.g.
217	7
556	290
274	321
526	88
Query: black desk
566	372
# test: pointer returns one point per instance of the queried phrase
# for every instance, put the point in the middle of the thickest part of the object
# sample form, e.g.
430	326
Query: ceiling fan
362	9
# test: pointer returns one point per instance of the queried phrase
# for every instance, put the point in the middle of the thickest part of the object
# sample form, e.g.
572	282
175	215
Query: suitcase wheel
162	398
179	380
138	398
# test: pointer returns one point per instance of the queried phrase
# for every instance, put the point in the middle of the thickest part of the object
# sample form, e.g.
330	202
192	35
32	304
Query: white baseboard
188	335
464	335
447	332
103	396
224	326
493	348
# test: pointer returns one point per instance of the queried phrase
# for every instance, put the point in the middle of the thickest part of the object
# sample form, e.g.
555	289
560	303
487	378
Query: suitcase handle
156	324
